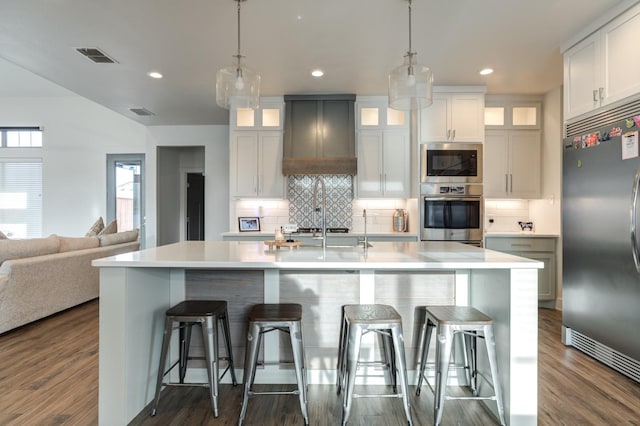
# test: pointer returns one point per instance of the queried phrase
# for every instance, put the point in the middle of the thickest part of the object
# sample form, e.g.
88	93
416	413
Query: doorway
125	192
195	207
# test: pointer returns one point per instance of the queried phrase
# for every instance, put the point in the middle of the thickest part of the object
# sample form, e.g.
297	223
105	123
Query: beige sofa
42	276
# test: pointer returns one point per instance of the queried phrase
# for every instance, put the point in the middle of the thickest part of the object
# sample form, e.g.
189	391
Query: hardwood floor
49	376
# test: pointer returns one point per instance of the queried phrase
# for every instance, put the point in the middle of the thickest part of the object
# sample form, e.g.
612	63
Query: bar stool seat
208	314
387	323
449	321
264	318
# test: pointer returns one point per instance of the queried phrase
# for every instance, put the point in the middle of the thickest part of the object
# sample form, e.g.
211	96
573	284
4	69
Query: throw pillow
95	228
111	228
2	236
118	238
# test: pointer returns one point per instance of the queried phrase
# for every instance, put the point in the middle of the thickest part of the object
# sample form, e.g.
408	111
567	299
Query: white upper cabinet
256	164
269	116
383	164
453	117
603	68
255	150
512	164
383	150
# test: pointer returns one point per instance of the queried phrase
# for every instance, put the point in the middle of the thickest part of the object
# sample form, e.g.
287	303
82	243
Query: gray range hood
319	135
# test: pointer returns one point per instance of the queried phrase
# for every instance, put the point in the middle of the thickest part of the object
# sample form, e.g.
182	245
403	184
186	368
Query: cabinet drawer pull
520	245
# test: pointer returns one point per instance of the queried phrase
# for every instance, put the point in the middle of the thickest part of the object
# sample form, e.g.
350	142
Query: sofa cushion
17	249
2	236
80	243
111	228
95	229
118	238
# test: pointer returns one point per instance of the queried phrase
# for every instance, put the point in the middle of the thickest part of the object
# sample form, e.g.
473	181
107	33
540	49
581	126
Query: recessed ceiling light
317	73
486	71
154	74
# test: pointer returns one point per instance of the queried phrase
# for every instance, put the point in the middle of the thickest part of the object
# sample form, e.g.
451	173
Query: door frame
111	189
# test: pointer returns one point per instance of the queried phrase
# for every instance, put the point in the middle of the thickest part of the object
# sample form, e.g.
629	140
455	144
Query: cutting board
278	244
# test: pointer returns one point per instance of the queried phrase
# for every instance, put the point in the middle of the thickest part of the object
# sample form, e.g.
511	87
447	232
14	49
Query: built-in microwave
451	162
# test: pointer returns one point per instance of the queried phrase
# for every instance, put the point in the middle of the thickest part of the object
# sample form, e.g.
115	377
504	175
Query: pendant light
237	85
410	84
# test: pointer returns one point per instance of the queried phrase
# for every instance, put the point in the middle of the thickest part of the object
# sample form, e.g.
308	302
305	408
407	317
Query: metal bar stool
386	322
208	314
264	318
449	321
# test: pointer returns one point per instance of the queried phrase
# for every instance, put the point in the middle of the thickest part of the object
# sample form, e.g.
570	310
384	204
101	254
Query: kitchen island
136	288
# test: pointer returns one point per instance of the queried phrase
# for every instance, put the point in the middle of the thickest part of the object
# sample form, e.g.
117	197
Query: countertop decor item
237	83
246	224
410	84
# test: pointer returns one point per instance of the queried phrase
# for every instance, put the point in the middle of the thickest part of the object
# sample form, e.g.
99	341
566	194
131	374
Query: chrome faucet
323	228
365	240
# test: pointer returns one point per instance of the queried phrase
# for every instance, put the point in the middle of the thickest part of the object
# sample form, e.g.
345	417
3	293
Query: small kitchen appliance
451	163
400	220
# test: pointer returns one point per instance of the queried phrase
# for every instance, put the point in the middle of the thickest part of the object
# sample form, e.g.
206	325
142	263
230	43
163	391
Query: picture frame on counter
249	224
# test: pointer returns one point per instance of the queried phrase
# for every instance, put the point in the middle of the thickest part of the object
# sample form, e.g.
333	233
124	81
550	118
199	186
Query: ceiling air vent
143	112
96	55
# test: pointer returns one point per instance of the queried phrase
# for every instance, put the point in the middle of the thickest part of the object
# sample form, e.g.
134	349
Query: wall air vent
96	55
143	112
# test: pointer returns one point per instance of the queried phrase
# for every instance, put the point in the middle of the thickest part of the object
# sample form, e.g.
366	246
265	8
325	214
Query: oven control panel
437	189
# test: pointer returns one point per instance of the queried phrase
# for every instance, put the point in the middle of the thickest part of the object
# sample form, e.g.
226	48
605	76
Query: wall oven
451	162
452	212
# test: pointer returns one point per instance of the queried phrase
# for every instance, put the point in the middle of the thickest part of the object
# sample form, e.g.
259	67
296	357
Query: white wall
215	140
78	133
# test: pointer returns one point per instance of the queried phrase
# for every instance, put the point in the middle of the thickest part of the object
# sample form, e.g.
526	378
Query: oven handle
452	198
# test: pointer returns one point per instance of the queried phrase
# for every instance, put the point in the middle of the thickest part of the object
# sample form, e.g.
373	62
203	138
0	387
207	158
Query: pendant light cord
239	1
409	27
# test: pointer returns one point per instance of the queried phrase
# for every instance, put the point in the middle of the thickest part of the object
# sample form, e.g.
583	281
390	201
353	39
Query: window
21	198
20	137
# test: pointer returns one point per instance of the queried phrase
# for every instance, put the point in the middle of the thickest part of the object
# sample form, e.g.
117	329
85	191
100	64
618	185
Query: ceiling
356	43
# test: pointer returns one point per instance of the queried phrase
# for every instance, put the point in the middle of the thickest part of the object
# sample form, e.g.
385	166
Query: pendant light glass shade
238	86
410	84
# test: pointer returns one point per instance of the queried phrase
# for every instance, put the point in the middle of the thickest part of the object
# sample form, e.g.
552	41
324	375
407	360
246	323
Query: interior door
195	207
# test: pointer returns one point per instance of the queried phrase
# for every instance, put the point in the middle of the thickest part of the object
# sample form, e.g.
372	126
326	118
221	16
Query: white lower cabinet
256	164
512	164
383	164
542	249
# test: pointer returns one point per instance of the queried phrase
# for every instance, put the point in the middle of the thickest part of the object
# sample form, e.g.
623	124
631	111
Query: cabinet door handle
511	182
506	182
255	184
601	93
453	134
595	96
448	134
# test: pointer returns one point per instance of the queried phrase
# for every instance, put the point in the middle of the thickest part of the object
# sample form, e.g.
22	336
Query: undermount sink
339	245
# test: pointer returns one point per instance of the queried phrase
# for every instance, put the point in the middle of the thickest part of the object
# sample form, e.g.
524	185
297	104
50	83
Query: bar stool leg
295	333
250	361
443	356
185	342
341	343
227	339
398	343
470	339
342	356
353	353
493	364
166	338
210	339
386	343
427	329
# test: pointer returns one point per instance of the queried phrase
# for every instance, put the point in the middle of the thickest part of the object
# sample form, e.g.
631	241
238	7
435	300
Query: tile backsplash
505	214
339	197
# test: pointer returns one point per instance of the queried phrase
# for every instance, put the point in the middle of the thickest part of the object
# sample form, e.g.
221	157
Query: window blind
21	198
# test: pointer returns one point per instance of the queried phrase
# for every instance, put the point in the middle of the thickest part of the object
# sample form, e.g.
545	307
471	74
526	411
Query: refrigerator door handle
634	220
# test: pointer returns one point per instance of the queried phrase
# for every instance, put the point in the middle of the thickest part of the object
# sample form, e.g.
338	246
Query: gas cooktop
329	230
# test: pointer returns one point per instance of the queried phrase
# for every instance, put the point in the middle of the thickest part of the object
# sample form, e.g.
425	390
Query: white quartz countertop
255	255
268	235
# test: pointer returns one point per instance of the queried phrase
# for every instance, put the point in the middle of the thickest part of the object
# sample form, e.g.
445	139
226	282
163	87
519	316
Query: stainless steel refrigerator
601	244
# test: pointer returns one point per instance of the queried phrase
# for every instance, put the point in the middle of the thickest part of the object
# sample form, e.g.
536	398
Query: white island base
137	288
